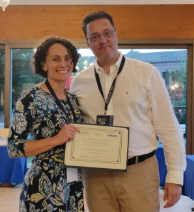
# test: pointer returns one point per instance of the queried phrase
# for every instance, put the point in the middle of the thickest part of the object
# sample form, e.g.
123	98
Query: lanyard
59	103
110	93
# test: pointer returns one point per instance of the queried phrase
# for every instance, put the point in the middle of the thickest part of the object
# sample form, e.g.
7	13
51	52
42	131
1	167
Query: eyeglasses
96	37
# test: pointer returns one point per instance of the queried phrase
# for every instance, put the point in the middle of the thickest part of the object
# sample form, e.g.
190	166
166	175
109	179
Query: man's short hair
95	16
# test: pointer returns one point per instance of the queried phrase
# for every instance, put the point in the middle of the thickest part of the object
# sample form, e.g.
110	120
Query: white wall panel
99	2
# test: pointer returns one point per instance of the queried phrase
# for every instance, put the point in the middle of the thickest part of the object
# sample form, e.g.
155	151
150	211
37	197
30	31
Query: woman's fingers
69	131
66	133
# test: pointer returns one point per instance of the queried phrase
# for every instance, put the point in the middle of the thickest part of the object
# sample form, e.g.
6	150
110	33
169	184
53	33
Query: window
23	77
172	64
178	74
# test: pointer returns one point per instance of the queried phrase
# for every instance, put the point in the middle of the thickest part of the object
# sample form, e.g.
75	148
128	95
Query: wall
132	21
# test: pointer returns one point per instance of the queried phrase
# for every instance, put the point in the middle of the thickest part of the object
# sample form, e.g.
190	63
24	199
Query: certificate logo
112	135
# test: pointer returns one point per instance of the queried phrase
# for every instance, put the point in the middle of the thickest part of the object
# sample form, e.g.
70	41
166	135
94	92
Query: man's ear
87	43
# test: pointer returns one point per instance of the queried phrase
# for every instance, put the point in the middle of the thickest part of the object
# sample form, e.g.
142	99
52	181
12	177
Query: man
137	99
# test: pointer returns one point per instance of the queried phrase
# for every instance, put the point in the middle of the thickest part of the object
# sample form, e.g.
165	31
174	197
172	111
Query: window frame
129	43
2	46
178	44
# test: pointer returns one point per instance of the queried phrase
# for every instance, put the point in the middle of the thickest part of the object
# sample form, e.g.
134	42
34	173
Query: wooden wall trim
131	21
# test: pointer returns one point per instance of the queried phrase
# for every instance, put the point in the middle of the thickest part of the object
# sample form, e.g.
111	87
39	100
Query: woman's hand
66	134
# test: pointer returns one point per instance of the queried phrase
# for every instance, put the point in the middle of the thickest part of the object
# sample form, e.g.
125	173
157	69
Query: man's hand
172	193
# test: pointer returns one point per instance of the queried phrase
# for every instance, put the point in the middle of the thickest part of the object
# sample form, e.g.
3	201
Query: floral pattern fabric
45	188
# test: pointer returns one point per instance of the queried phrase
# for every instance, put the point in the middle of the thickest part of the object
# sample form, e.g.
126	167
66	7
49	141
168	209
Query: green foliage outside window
22	75
24	78
176	82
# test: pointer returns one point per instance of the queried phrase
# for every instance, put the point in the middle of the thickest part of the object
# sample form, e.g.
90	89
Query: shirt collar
116	65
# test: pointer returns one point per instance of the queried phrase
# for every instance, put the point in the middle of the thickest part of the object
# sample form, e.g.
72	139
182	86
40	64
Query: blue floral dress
44	188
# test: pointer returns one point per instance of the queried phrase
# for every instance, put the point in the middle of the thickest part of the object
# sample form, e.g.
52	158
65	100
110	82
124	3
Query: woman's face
58	64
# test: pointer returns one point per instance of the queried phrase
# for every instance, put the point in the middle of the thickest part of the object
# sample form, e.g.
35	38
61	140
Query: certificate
98	146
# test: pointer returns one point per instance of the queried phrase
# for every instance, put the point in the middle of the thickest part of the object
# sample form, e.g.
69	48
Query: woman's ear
44	67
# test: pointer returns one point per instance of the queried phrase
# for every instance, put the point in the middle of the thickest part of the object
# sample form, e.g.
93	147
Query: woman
44	112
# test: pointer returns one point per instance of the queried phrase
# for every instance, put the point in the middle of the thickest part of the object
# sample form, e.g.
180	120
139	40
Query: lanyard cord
110	93
59	103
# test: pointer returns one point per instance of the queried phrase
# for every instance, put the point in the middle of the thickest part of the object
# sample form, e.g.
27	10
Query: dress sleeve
20	126
167	128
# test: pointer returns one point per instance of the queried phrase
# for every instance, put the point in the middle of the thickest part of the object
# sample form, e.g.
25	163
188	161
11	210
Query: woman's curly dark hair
42	50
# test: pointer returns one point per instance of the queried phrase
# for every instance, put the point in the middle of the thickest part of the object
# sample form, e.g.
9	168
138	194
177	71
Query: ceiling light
4	4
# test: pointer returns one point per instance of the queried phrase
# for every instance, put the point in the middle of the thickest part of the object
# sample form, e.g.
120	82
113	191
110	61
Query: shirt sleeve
20	127
167	128
72	87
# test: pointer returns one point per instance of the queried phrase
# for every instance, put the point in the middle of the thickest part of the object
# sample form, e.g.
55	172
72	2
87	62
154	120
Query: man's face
102	40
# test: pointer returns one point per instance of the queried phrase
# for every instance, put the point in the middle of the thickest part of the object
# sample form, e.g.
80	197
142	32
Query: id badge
104	120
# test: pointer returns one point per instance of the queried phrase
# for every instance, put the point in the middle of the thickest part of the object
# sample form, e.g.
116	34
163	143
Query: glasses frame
97	36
